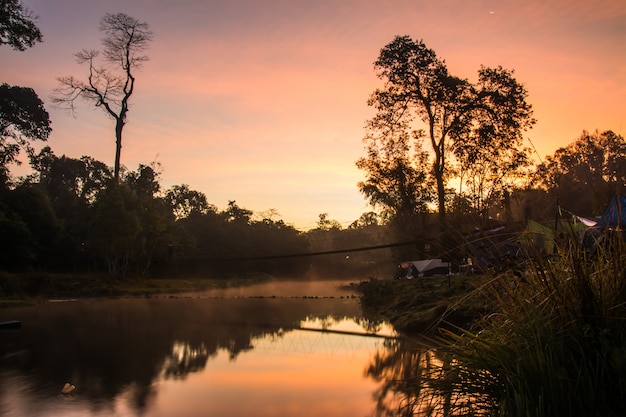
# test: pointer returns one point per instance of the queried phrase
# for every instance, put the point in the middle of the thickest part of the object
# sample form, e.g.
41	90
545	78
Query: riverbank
420	306
548	342
26	288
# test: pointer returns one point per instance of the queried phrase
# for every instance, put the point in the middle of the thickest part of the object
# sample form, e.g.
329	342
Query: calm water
253	351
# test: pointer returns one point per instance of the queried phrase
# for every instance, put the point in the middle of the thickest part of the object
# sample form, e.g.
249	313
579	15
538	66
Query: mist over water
289	289
276	347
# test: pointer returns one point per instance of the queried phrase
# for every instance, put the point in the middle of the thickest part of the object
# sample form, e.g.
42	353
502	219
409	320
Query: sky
264	102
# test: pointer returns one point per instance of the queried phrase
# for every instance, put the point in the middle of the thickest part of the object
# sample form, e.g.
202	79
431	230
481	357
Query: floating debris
68	389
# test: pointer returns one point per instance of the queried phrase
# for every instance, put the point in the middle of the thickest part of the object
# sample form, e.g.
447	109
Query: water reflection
185	356
416	380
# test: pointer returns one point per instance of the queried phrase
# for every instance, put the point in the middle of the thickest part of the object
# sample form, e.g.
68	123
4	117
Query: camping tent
540	237
615	214
427	267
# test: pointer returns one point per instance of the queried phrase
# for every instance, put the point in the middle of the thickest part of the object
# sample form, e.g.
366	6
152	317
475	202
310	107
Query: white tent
426	267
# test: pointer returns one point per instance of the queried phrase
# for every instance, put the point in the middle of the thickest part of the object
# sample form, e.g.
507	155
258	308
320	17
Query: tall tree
419	91
586	173
23	119
17	26
110	87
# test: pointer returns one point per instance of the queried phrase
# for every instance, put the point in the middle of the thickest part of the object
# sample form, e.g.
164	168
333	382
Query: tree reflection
419	381
113	348
185	359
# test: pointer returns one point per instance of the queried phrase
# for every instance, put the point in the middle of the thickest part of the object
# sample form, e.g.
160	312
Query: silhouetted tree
154	214
237	214
110	87
324	223
81	178
419	91
17	26
397	180
185	201
29	229
115	228
370	218
23	119
491	154
585	174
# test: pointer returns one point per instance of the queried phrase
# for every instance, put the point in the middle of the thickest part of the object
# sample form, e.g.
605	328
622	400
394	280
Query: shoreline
33	288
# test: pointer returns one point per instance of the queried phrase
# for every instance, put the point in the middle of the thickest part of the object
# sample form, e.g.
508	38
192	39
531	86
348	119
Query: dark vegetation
71	217
549	341
424	305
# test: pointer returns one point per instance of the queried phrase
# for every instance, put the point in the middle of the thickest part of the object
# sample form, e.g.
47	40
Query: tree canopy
397	179
421	96
23	119
585	174
17	26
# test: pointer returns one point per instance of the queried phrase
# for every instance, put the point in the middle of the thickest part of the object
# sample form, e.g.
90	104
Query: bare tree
110	86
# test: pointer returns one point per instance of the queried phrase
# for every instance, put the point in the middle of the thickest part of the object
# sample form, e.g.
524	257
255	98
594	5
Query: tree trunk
119	125
441	195
438	169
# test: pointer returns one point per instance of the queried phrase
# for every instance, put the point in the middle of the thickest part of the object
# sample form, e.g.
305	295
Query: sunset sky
264	101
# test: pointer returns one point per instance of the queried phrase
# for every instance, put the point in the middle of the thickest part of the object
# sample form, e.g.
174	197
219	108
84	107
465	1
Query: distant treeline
70	215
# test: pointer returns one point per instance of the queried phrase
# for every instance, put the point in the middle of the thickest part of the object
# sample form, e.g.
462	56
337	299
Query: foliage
17	28
491	157
29	228
344	252
114	228
186	202
376	292
23	119
229	244
419	91
585	174
397	181
326	224
424	304
369	218
110	87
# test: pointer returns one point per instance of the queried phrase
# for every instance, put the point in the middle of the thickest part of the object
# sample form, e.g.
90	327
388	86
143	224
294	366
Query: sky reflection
185	357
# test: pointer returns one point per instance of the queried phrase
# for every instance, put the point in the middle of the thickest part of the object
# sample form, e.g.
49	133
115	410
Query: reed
554	345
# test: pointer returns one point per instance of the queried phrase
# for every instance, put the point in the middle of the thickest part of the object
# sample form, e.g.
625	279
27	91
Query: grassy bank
422	305
551	342
554	345
26	287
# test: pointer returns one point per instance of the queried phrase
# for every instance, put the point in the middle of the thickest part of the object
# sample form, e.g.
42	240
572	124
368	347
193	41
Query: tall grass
555	344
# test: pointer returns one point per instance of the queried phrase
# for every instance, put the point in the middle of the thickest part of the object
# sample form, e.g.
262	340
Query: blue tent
615	214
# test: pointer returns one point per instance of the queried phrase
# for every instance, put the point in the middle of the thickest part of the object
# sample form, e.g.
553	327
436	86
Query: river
273	349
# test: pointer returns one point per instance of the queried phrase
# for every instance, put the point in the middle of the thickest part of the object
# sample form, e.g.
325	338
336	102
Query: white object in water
68	388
